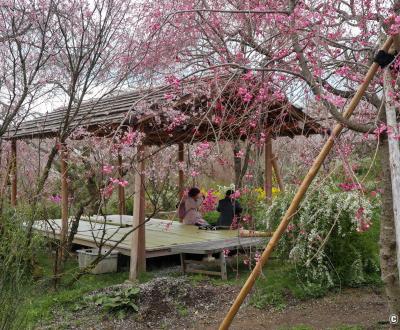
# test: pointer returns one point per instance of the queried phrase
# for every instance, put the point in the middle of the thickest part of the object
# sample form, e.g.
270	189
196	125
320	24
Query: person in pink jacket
192	205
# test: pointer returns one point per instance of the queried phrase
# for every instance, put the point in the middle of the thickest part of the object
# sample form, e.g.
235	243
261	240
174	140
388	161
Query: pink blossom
247	97
169	96
173	81
202	149
236	194
226	252
194	173
239	154
123	183
210	201
350	186
107	191
107	169
55	198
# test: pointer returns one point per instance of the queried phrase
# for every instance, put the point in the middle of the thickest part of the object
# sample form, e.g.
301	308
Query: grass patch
43	298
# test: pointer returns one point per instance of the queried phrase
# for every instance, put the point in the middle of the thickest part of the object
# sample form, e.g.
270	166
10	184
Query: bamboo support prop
300	194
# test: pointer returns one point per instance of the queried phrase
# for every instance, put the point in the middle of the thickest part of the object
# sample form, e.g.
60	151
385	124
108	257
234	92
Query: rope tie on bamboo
384	58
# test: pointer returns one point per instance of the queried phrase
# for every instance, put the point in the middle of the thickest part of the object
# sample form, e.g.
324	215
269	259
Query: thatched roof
205	111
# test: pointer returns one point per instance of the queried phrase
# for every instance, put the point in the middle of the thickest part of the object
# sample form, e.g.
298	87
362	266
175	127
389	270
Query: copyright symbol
393	319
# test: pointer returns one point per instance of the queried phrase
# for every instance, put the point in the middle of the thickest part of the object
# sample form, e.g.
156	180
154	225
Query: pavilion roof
187	113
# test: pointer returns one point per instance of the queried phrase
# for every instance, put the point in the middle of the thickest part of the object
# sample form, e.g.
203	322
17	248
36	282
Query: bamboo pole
277	173
64	199
121	190
268	168
14	173
181	177
300	194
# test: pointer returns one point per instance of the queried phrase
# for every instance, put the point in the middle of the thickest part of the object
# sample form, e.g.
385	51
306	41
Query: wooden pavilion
208	109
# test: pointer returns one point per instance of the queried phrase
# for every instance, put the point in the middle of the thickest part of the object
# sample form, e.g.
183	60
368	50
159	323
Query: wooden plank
158	240
217	246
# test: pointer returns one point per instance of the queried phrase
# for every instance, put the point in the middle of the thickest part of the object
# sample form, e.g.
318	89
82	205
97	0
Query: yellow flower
261	193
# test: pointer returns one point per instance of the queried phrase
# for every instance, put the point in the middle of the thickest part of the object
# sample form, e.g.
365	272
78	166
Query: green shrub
211	217
120	303
331	239
16	269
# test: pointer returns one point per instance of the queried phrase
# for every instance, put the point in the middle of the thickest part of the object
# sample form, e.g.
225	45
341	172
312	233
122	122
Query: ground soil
177	303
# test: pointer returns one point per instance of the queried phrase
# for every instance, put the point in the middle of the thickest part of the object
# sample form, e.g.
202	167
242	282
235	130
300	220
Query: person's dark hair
229	192
193	192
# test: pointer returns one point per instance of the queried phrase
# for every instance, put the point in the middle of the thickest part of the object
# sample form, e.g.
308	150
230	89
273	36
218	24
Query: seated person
229	208
192	204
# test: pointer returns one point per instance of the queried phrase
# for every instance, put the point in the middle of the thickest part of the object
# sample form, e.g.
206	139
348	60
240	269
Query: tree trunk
237	162
394	154
388	255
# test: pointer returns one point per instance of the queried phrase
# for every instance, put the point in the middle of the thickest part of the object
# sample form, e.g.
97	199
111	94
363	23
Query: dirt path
358	307
175	303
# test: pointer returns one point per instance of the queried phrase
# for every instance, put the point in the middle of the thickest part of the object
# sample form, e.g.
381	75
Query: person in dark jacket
229	208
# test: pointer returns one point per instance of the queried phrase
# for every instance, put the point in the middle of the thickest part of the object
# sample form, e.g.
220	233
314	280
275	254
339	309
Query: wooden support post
64	199
300	194
222	263
14	173
277	173
268	167
181	182
121	190
138	243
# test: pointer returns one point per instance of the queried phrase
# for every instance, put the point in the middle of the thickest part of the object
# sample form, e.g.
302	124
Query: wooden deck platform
161	235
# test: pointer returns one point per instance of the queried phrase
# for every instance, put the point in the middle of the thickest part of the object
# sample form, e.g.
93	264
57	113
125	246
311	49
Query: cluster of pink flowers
383	128
240	154
395	26
107	169
129	138
349	186
55	198
194	173
363	223
210	201
226	252
203	149
107	191
245	94
120	182
173	81
178	120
